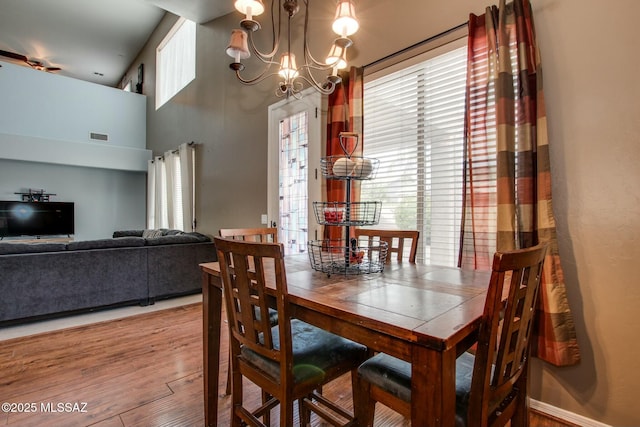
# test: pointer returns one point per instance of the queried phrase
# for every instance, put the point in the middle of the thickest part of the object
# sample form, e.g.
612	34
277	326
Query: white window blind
175	61
414	124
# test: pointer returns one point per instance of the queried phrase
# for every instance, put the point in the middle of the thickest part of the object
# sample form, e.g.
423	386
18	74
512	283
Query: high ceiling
91	40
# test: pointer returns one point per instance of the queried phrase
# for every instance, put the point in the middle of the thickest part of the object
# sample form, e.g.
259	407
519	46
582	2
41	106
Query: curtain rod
189	144
413	46
173	151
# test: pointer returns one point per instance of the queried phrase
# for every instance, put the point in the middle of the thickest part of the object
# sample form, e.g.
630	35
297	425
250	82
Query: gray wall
226	119
105	200
59	108
45	122
592	92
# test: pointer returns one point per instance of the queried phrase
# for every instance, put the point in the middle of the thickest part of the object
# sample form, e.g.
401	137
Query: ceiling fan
35	64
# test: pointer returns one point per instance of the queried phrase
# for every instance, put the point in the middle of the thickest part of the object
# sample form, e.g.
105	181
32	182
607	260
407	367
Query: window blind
414	124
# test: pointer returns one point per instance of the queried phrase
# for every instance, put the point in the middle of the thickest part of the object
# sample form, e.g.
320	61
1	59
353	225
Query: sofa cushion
201	237
127	233
172	232
7	248
172	240
106	243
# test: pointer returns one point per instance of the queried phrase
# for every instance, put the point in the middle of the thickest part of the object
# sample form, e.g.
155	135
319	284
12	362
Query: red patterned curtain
508	202
344	115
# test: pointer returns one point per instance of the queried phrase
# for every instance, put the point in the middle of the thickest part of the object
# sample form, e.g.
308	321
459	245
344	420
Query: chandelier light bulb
250	8
336	57
345	22
288	68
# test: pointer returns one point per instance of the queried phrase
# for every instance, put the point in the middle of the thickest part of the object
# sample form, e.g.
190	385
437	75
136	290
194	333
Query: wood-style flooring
144	370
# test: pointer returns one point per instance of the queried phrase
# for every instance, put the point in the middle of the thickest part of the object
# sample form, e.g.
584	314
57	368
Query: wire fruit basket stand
347	255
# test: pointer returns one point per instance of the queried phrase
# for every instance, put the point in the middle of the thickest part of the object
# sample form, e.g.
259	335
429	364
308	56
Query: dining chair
395	240
266	234
290	361
491	386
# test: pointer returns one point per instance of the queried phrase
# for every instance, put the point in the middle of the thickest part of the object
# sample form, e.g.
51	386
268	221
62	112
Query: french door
294	181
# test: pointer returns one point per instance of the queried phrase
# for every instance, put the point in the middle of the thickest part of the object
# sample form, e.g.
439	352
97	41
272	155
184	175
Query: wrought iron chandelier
292	77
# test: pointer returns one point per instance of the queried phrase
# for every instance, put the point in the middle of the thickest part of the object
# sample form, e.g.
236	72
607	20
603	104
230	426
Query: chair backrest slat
504	337
395	240
264	235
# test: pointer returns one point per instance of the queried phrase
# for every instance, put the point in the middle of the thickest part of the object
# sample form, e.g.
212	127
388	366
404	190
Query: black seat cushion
273	316
394	376
314	351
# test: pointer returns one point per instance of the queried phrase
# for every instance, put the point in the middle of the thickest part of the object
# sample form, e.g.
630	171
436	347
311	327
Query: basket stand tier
340	256
347	213
345	255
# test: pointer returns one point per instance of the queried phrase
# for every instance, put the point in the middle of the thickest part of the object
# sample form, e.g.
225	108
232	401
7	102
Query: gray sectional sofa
39	280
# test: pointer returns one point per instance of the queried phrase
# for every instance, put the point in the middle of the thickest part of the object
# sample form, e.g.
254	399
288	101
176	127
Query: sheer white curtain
187	156
171	190
175	61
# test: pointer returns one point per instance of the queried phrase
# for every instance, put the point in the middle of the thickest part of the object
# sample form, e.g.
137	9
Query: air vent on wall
99	136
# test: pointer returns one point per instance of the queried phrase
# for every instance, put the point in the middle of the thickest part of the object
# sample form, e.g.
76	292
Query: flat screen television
36	218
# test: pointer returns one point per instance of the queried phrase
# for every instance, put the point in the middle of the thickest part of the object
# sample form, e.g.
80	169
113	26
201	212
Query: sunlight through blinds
414	124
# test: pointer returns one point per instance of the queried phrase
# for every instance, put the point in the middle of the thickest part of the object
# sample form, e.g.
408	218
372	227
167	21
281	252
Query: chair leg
286	412
227	390
521	414
266	418
363	405
236	403
305	413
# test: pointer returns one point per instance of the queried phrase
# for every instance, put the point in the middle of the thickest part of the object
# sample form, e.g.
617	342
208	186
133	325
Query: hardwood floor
144	370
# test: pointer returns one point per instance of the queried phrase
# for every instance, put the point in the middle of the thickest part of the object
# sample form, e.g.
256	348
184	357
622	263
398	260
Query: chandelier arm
319	67
312	80
275	36
260	77
319	87
275	40
305	44
264	57
291	88
288	91
317	64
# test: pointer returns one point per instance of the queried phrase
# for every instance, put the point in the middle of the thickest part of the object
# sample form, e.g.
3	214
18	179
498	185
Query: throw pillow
149	234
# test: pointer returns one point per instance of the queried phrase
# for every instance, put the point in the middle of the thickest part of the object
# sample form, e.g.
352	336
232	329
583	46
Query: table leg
433	387
211	315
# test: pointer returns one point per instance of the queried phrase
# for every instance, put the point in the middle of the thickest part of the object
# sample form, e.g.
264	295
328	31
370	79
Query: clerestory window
175	61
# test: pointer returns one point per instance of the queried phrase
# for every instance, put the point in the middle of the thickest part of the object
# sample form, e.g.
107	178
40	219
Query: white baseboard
564	415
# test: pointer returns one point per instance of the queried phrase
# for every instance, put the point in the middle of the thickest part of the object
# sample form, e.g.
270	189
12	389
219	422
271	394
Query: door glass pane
294	143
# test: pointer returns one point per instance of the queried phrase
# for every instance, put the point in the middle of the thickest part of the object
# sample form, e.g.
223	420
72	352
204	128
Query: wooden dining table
424	314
